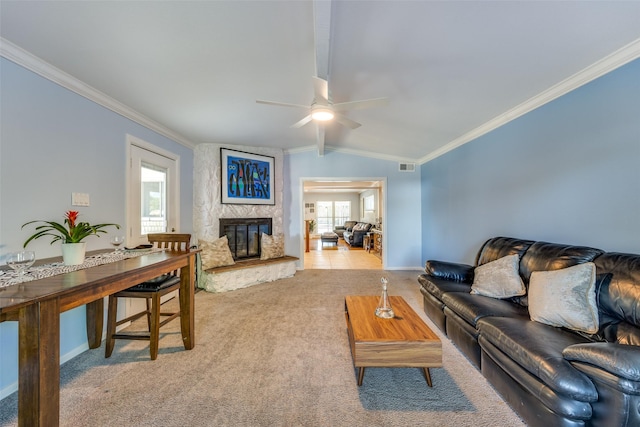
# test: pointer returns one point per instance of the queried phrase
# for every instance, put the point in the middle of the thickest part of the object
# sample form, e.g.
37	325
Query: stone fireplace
244	235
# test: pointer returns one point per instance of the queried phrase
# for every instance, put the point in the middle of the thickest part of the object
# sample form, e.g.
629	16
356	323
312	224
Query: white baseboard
12	388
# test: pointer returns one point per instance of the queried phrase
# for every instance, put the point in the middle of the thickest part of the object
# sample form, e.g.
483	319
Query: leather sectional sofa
340	229
355	236
550	375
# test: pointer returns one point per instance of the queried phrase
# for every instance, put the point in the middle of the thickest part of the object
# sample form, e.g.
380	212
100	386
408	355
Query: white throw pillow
565	298
271	246
499	278
216	253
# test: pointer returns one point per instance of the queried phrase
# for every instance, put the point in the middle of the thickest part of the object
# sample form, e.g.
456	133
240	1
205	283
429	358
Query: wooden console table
376	235
37	305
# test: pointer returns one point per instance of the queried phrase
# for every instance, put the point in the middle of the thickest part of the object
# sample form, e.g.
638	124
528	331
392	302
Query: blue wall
54	142
401	213
568	172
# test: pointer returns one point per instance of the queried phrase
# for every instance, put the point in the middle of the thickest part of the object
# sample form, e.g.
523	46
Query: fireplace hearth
244	235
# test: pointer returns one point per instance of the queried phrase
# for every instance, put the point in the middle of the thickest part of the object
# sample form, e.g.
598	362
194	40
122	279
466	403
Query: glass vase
384	310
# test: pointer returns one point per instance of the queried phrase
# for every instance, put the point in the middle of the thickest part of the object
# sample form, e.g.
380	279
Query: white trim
607	64
382	193
31	62
13	387
175	181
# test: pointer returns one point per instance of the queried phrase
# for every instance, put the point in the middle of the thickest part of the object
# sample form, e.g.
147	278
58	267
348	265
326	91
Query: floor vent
407	167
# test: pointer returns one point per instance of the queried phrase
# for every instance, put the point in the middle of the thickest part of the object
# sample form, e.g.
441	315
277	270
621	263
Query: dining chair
152	291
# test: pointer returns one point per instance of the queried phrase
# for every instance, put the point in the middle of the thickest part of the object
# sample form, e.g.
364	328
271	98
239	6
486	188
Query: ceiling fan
322	109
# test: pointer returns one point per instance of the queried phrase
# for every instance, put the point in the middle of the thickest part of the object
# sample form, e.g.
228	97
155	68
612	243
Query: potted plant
71	234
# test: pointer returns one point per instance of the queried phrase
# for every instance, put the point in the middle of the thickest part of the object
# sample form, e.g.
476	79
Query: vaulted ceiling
451	69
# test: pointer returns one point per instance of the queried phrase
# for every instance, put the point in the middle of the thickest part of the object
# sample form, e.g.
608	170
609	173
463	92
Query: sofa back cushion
543	256
499	247
348	225
361	226
619	297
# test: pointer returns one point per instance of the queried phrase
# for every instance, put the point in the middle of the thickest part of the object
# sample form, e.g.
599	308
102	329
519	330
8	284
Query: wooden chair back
171	241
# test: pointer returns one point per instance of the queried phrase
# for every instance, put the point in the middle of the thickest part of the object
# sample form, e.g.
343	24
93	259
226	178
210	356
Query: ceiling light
322	114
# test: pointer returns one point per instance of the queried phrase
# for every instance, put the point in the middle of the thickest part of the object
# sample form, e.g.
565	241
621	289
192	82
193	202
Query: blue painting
246	178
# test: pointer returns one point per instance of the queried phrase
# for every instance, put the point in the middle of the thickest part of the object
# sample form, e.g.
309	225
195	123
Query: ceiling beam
322	36
320	131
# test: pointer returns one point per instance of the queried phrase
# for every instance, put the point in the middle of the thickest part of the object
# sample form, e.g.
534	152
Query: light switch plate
79	199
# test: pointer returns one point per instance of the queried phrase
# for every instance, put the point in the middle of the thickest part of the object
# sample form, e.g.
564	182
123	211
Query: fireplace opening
244	235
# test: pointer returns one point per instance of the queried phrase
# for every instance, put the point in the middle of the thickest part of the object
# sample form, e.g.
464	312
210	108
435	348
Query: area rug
274	354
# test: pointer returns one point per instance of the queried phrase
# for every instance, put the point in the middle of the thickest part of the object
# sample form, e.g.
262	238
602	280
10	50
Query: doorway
152	191
331	202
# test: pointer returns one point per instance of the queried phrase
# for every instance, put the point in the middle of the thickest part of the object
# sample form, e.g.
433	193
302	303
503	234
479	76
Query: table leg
427	376
360	375
95	320
39	364
186	294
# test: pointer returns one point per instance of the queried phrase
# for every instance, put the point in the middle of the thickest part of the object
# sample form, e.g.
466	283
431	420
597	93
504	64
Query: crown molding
32	63
607	64
360	153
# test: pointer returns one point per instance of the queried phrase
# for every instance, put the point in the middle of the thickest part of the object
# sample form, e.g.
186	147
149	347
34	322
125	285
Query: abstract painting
247	179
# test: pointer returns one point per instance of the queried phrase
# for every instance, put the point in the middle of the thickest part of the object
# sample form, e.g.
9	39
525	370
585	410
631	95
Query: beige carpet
274	354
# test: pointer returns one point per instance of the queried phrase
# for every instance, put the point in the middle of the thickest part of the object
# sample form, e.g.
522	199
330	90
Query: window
152	181
153	203
368	203
325	217
342	212
332	214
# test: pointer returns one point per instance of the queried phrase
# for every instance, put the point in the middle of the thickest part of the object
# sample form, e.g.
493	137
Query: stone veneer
244	277
207	192
208	209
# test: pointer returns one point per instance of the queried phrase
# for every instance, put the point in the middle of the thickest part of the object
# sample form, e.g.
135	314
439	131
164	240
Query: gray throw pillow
565	298
499	278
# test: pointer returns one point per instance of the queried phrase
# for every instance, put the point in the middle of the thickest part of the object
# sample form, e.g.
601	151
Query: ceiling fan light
322	114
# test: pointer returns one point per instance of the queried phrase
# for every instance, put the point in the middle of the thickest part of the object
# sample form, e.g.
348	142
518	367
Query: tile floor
339	257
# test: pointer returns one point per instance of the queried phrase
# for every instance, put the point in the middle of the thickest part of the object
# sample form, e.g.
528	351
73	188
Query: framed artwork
247	179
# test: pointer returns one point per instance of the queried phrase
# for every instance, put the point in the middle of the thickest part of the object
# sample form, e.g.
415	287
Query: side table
367	242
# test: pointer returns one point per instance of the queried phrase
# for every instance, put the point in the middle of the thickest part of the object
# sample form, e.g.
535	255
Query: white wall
54	142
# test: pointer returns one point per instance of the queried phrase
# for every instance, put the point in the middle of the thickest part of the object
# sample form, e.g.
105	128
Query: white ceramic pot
73	253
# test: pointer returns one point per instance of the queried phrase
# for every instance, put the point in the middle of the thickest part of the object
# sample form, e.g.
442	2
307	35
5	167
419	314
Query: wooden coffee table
402	342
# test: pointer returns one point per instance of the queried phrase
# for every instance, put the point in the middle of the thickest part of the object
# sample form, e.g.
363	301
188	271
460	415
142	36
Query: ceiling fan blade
320	135
359	105
346	122
301	122
281	104
321	90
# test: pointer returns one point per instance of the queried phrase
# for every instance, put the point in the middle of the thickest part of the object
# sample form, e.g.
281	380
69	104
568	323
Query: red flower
71	218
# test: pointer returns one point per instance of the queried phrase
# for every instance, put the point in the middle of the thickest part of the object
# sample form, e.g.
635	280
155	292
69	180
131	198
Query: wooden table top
406	326
70	287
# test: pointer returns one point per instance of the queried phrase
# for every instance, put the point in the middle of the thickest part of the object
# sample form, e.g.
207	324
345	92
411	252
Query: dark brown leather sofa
551	376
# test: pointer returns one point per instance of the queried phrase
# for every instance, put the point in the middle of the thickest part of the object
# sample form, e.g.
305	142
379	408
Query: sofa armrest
615	371
617	359
450	271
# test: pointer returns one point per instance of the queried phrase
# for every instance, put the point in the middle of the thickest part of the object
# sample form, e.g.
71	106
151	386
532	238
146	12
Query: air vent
407	167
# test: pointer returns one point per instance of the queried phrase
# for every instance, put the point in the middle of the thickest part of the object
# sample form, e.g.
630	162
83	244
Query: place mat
11	277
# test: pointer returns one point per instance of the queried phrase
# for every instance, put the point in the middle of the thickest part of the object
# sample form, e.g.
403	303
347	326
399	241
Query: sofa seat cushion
474	307
538	349
438	287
